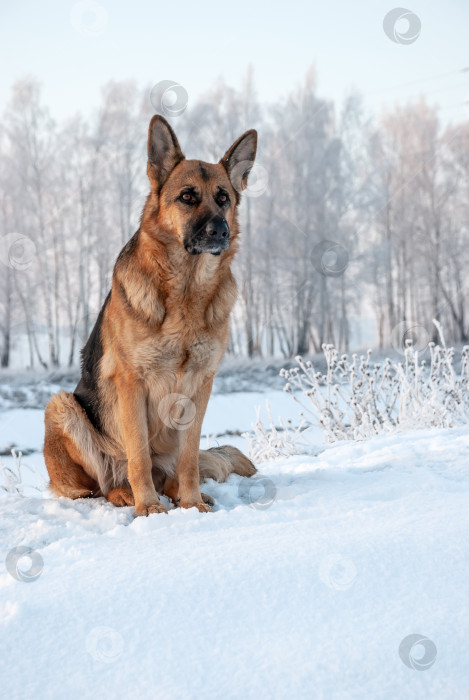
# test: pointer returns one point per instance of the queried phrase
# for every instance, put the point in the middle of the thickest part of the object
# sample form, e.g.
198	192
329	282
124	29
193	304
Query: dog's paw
201	506
121	496
149	509
207	499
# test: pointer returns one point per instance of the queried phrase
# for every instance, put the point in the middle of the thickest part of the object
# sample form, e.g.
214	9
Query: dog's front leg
134	421
187	470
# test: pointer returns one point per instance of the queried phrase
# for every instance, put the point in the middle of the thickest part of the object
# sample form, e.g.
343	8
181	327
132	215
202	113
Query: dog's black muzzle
212	237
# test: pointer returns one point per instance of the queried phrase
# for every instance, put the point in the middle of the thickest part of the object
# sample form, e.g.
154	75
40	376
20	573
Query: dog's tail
219	462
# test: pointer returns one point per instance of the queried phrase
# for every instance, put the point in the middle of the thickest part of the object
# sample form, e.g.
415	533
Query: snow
305	594
22	428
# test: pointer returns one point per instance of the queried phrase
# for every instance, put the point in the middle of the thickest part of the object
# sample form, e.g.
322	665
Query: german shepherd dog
132	426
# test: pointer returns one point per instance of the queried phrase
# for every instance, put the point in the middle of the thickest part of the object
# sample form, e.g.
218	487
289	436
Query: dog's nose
217	227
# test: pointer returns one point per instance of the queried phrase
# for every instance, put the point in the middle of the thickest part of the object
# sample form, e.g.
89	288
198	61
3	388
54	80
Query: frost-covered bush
355	399
272	442
13	478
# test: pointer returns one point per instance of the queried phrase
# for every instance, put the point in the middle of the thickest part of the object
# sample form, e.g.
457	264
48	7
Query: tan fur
163	332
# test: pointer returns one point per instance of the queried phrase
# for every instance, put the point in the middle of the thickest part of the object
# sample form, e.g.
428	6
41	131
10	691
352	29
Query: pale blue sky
195	42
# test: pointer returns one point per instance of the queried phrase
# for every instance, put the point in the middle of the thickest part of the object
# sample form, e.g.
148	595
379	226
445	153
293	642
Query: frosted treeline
350	224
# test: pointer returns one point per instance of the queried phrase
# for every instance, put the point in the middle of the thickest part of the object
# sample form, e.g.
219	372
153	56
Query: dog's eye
223	198
186	197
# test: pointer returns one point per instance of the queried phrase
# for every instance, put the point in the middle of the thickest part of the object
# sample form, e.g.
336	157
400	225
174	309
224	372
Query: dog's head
197	201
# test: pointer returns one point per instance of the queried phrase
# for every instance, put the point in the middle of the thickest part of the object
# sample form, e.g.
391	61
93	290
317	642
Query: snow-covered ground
303	583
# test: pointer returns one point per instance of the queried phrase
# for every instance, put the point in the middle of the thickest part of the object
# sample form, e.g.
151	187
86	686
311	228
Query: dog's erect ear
239	159
164	152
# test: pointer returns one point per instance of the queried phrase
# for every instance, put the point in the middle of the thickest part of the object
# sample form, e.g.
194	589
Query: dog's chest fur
179	348
175	363
184	333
